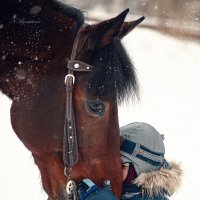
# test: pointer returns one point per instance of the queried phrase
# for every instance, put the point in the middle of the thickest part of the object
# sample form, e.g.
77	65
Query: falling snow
20	74
14	16
29	82
143	3
3	57
176	56
35	10
36	58
156	7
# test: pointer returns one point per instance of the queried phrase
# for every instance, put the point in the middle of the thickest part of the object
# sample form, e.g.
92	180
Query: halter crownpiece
70	145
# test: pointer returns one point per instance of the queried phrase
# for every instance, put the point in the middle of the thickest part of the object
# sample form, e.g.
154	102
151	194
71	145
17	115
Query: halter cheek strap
70	145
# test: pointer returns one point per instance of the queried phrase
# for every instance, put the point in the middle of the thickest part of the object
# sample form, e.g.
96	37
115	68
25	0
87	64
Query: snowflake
36	58
35	10
14	16
3	57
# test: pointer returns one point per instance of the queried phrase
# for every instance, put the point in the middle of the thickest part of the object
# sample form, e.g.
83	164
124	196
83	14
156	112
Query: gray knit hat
142	145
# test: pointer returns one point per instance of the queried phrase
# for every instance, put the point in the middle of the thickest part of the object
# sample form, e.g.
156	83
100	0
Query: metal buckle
70	75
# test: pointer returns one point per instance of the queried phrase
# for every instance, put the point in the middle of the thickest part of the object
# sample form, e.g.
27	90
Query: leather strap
70	146
70	149
76	65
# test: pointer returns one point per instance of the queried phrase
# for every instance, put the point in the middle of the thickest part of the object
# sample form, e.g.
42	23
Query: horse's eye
96	107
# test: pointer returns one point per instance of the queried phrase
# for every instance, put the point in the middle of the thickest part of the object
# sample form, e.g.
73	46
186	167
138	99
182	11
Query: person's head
143	146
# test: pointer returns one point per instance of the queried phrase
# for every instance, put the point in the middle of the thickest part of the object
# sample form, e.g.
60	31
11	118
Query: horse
44	46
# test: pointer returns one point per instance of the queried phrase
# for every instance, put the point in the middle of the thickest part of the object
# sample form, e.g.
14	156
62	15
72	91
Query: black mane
114	74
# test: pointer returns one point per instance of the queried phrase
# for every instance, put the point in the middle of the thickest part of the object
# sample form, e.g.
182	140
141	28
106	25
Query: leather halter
70	144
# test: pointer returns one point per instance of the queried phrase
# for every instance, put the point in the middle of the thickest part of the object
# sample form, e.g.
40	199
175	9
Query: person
146	173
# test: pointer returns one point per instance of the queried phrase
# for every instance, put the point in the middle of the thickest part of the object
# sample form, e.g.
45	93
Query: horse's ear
129	26
105	32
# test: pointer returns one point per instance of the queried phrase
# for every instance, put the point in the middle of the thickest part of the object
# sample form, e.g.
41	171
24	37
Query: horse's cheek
37	135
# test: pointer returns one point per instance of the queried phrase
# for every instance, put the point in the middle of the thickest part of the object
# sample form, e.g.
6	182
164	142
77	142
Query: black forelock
68	10
114	75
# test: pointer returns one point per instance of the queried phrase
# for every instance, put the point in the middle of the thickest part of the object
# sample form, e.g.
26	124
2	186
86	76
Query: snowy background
169	74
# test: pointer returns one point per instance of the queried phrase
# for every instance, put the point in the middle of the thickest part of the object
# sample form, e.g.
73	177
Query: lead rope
70	147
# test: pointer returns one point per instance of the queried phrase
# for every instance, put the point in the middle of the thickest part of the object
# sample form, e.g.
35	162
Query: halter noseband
70	146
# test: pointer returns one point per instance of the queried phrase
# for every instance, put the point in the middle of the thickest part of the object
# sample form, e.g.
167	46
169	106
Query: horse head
37	39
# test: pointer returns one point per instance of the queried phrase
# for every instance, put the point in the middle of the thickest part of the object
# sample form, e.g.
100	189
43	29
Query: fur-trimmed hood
155	182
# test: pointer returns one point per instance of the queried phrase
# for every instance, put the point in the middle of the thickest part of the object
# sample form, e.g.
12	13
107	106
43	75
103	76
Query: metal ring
70	75
67	171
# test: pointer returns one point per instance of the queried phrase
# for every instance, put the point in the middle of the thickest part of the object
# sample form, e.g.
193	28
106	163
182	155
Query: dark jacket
133	192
